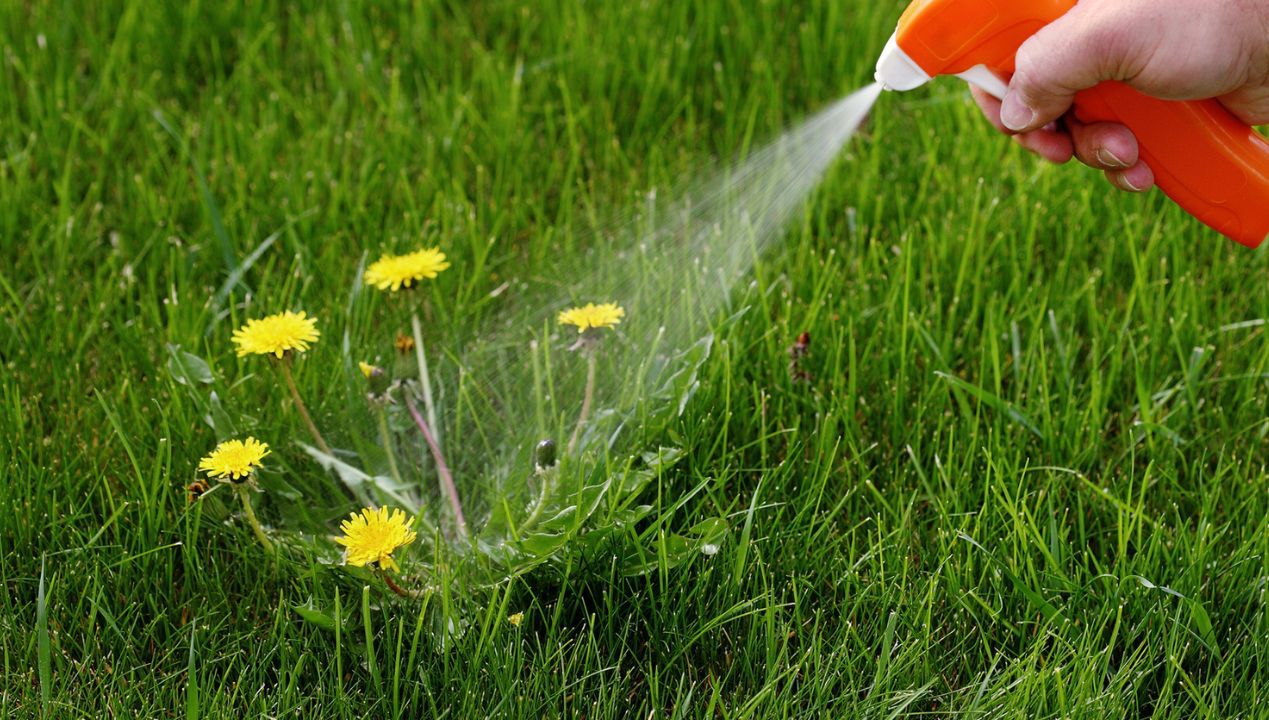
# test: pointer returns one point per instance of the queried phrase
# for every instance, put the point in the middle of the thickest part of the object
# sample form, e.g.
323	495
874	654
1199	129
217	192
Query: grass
1027	478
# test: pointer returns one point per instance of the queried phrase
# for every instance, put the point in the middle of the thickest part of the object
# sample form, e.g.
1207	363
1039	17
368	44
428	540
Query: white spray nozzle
897	71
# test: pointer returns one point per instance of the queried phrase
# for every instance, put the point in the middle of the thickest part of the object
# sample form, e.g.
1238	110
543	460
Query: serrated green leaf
672	549
187	368
364	484
312	615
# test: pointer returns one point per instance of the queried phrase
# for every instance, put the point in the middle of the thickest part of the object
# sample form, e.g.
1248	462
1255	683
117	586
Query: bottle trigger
986	80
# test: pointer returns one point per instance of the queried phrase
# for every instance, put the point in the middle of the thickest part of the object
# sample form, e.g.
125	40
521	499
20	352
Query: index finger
1049	142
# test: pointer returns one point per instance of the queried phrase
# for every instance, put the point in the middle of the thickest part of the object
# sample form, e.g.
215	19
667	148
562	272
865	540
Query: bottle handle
1205	159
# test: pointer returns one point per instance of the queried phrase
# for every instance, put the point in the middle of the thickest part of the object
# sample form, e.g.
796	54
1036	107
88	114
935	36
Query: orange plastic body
1204	158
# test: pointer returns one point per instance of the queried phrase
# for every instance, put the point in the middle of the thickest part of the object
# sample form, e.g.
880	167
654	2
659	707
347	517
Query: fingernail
1015	115
1108	159
1126	184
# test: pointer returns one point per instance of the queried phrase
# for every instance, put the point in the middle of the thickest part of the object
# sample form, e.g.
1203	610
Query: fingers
1109	147
990	107
1105	146
1049	143
1113	148
1074	53
1138	178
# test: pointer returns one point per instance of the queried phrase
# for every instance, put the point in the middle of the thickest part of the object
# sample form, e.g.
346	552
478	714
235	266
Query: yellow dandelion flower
367	369
276	334
516	619
393	272
372	535
234	459
591	315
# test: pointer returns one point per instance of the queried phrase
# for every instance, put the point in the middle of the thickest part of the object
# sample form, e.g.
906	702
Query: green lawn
1026	479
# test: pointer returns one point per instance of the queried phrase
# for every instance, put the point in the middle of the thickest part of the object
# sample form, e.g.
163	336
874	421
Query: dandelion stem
442	469
424	376
302	408
394	587
385	437
547	478
591	361
244	495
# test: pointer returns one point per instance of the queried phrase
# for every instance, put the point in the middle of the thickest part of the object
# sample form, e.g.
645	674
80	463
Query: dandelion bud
544	454
377	377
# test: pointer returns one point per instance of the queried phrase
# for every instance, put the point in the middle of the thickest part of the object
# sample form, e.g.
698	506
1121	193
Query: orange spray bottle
1205	159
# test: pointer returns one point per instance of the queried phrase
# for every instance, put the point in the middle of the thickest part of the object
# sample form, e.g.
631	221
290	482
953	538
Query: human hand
1170	49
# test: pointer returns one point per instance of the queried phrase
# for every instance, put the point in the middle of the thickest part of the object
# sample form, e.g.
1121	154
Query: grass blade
45	651
370	640
742	550
192	710
994	402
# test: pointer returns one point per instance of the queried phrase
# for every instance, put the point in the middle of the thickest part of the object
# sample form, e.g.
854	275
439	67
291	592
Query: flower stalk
588	397
394	587
590	320
425	376
285	365
442	468
385	438
544	473
244	495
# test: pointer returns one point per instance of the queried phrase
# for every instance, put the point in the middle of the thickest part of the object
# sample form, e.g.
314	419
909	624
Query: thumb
1075	52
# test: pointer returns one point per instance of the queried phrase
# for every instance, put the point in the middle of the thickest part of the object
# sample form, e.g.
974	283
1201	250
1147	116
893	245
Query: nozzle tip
897	71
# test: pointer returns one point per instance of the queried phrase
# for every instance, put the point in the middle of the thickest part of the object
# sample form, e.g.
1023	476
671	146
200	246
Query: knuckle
1028	70
1114	49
